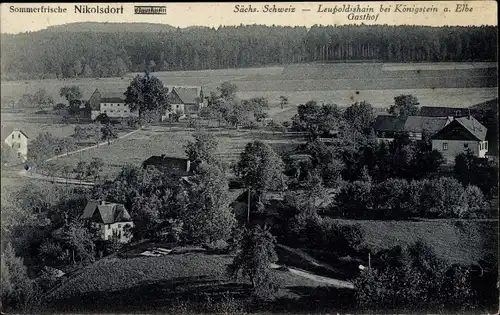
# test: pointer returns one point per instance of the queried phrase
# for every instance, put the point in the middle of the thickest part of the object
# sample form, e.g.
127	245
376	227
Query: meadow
456	241
158	140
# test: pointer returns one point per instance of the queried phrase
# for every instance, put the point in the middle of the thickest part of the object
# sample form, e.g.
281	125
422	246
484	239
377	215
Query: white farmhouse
462	134
17	140
110	219
110	103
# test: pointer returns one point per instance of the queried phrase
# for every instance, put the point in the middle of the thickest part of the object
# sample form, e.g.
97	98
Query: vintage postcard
249	157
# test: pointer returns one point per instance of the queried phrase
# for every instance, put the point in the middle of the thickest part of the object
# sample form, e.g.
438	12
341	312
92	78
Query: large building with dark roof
387	127
436	111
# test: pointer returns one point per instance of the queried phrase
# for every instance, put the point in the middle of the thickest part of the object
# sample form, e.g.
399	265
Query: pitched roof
7	130
388	123
108	212
188	95
112	97
473	126
435	111
179	165
428	124
462	128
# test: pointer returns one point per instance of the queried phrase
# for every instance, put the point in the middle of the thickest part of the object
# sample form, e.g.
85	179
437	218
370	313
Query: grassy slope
462	242
152	283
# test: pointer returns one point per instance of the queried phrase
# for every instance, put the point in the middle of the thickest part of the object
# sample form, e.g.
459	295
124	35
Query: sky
216	14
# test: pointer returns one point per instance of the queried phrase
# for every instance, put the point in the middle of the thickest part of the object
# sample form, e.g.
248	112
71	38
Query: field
440	84
453	240
159	140
157	283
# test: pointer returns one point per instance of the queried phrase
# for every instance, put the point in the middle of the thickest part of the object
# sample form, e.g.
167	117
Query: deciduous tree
146	93
254	260
261	170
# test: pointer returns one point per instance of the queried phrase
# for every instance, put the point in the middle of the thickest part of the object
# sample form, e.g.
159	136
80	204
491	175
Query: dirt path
60	180
333	282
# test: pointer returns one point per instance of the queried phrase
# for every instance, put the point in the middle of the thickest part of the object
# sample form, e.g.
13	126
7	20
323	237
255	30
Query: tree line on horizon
47	54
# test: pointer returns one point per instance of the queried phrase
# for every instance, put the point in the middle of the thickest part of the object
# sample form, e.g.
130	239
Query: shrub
440	197
355	199
415	280
472	203
59	106
391	197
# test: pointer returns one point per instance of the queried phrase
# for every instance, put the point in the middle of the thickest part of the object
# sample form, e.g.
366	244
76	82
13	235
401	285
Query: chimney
102	202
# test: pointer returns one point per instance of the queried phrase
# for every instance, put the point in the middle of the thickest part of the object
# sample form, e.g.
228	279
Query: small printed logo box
150	9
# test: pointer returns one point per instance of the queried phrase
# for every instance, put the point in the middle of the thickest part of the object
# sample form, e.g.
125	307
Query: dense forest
105	52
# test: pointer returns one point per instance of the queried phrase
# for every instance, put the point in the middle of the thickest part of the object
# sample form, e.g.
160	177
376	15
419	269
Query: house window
111	105
18	154
109	226
19	136
124	110
445	146
12	136
486	145
466	145
119	226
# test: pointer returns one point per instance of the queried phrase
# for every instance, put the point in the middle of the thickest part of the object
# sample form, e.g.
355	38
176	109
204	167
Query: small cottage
111	219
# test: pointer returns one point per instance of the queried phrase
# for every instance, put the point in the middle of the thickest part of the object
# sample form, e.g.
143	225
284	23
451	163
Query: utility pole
248	207
369	261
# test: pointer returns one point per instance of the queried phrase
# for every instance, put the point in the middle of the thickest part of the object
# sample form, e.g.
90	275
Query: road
333	282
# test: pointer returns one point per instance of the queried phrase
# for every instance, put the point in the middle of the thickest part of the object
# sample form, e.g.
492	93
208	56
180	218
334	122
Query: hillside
113	49
110	27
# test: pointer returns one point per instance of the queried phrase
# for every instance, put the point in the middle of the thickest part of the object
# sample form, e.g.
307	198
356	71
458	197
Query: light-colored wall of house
19	143
455	147
173	108
380	140
117	110
106	230
94	114
415	136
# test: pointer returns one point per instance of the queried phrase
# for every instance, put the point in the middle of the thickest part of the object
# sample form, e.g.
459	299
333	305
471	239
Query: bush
391	197
59	106
440	197
342	239
415	280
355	199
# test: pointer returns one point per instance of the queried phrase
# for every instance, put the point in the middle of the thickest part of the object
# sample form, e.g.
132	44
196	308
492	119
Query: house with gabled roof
111	103
111	219
461	135
417	126
168	164
17	140
185	101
